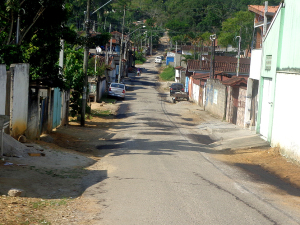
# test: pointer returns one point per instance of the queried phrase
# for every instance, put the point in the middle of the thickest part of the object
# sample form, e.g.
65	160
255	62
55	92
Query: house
115	41
278	112
255	66
191	49
223	93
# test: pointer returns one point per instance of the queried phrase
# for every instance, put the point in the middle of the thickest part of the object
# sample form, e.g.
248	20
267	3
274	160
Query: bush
168	74
139	58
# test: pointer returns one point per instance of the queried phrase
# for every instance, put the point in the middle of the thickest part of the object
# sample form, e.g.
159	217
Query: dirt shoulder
54	183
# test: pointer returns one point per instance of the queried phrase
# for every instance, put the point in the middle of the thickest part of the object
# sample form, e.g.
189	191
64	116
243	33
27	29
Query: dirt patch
53	184
269	160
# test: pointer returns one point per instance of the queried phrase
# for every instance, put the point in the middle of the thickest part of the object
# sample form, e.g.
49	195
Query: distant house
191	49
222	93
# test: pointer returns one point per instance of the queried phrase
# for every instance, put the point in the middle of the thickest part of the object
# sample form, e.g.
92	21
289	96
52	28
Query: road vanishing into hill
159	169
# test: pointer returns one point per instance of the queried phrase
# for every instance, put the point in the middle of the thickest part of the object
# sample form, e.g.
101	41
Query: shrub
168	73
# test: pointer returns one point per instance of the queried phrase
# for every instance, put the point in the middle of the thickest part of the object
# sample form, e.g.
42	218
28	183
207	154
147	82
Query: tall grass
168	74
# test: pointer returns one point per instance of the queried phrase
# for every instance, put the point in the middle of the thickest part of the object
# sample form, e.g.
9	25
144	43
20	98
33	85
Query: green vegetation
139	58
45	203
187	21
106	99
168	74
101	113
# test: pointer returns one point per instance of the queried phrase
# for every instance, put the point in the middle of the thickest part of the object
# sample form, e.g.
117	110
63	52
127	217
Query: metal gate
44	115
56	108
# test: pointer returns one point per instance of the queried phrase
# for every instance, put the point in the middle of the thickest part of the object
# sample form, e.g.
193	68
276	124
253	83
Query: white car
158	59
117	90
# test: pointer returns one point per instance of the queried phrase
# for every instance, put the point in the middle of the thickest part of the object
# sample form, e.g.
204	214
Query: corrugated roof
179	68
222	63
234	81
200	75
228	59
193	64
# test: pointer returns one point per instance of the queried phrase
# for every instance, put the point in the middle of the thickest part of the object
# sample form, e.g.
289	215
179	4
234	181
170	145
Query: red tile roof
222	63
260	9
228	59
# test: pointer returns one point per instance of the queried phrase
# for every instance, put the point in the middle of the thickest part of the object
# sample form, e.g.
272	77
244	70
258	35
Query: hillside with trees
43	23
187	21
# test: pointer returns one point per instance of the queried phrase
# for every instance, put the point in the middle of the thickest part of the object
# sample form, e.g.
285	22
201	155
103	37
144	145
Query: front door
266	107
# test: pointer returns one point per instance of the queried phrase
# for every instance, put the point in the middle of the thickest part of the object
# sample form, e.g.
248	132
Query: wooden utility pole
121	47
85	63
212	58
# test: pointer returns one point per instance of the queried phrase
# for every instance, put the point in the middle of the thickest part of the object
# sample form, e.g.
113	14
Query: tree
241	24
40	34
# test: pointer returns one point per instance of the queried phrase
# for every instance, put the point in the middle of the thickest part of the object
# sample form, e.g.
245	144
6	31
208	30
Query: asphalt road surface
159	170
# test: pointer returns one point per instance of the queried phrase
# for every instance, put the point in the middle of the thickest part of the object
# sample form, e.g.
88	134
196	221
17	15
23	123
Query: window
268	62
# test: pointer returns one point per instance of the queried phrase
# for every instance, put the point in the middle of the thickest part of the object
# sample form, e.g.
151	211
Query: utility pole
212	58
85	63
110	44
238	59
121	47
151	47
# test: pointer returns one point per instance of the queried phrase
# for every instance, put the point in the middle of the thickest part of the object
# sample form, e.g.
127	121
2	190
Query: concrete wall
32	131
112	75
255	65
101	89
20	99
286	123
177	60
195	94
251	104
289	44
241	107
3	79
65	108
216	98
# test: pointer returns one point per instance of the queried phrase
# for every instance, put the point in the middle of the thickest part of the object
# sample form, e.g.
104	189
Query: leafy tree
40	34
241	24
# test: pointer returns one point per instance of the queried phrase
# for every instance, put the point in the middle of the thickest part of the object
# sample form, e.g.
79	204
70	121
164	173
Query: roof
193	64
179	68
228	59
117	33
234	81
260	9
201	75
222	63
193	47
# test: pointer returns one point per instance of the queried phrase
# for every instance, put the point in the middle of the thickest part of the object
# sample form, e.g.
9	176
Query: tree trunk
11	28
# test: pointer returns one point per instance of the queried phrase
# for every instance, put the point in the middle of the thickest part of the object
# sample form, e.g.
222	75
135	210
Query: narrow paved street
160	170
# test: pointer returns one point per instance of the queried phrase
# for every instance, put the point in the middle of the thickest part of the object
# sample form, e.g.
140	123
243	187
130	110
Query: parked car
176	87
117	90
158	59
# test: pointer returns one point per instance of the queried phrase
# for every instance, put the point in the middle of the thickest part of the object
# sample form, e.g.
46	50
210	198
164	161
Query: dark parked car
176	87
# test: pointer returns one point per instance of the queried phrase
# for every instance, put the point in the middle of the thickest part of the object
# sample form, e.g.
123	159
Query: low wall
216	98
